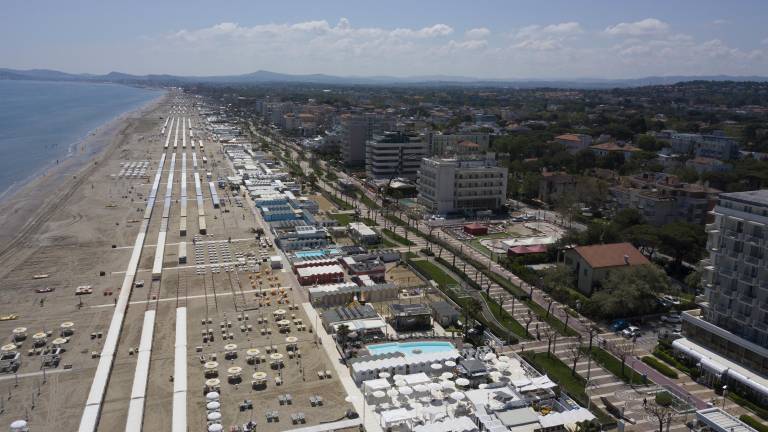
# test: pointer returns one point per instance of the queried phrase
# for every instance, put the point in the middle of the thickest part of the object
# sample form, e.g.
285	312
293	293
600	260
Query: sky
543	39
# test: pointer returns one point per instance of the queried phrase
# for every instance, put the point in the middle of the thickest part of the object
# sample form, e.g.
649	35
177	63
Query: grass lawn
431	271
475	243
343	219
613	365
505	318
367	201
397	237
338	202
553	322
572	384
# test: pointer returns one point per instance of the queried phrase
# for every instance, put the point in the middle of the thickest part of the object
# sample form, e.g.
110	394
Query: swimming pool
317	253
410	348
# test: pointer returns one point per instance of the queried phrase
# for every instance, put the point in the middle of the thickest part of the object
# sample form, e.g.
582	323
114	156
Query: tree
682	241
588	426
576	351
622	351
628	291
660	413
644	237
342	333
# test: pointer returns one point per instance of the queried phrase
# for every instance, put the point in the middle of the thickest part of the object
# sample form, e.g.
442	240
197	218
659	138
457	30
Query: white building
394	155
455	185
362	233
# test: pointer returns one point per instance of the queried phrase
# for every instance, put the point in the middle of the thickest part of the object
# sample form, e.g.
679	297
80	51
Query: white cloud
648	26
477	33
559	50
721	22
764	41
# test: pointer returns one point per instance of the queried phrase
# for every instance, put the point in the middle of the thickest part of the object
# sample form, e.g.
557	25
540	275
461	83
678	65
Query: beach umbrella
419	388
489	357
234	370
436	366
259	376
446	375
406	391
384	375
276	356
448	385
252	352
212	382
482	386
401	383
230	347
462	382
214	416
291	339
393	393
210	365
378	394
216	427
457	396
212	396
450	364
59	341
212	405
435	386
8	347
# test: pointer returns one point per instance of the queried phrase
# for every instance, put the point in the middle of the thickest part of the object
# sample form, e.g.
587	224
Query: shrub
753	422
659	366
663	399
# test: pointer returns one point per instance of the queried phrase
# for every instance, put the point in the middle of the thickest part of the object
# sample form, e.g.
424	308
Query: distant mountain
265	77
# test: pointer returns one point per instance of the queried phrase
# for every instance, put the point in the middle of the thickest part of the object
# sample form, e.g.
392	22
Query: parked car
45	290
619	325
631	332
673	319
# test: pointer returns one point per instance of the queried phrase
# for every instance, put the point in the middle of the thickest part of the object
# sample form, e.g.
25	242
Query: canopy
259	375
212	382
419	388
252	352
276	356
436	366
462	382
405	391
212	405
446	375
211	365
234	370
214	416
8	347
457	396
67	324
291	339
279	312
448	385
450	364
230	347
59	341
212	396
216	427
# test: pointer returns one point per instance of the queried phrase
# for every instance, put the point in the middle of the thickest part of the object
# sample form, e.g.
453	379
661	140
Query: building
457	144
715	146
604	149
301	237
394	154
444	313
354	134
410	317
340	294
457	185
555	184
733	324
703	165
592	263
476	229
574	143
362	233
320	274
662	198
361	319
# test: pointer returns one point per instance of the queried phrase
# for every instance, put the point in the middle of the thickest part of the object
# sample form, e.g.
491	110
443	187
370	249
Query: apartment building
716	145
574	143
456	185
394	154
662	198
354	134
457	144
733	324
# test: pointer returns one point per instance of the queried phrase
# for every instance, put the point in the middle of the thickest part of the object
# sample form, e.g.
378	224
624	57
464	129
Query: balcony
751	259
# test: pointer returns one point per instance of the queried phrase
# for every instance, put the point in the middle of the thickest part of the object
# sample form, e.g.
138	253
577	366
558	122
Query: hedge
659	366
754	423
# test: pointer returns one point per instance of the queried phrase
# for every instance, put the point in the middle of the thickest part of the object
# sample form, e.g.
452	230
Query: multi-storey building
455	185
455	144
661	198
715	146
731	332
354	134
394	155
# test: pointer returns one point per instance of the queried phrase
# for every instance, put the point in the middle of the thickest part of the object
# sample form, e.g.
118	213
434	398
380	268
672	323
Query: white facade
394	155
453	185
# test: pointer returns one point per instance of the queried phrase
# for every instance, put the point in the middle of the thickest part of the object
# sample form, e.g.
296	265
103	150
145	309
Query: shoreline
24	210
95	140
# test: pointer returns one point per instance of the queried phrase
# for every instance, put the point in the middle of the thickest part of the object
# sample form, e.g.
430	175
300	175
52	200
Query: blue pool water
410	348
317	253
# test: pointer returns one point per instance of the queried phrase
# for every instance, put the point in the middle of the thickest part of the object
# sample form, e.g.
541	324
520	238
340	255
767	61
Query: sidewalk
353	393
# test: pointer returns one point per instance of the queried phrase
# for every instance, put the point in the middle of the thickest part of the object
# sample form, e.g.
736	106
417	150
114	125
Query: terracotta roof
469	144
568	137
612	146
611	255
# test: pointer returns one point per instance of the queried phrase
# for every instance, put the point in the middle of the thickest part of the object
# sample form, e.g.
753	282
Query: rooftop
755	196
612	146
611	255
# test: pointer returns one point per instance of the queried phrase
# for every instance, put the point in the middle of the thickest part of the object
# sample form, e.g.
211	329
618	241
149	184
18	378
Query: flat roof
722	421
755	196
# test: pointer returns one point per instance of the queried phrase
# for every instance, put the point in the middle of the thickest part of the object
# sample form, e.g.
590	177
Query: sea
42	121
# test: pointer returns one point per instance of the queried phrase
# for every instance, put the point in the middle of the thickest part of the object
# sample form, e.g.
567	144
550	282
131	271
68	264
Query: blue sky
489	39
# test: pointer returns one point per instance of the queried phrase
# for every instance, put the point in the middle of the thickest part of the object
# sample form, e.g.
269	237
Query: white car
673	319
630	332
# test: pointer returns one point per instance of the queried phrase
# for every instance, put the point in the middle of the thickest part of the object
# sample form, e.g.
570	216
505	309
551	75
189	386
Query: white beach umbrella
212	396
212	406
378	394
405	391
462	382
214	416
457	396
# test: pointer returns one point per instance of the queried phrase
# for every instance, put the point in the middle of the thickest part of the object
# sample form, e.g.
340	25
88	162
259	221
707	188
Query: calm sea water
41	122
